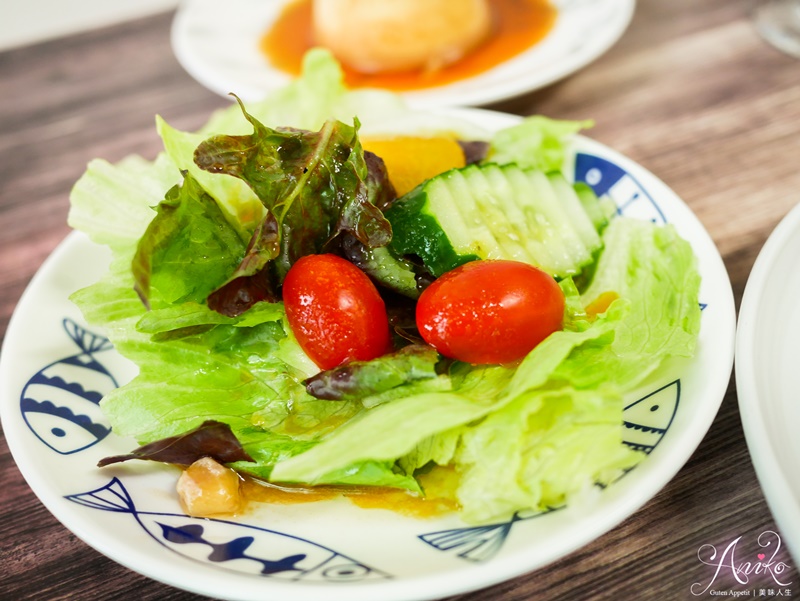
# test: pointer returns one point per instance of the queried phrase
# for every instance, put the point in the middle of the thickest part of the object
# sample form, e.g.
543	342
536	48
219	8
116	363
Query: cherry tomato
490	311
335	311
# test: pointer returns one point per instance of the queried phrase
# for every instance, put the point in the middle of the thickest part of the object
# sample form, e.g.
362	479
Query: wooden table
690	92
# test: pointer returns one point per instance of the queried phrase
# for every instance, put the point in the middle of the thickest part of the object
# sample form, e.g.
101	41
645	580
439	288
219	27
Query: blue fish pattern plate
61	401
55	368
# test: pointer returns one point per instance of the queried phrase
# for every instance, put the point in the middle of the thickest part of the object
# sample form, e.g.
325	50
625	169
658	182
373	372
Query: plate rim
436	585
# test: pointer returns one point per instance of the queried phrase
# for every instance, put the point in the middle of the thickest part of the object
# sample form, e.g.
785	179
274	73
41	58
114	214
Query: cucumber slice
489	208
548	222
538	252
591	204
494	212
469	233
576	210
416	229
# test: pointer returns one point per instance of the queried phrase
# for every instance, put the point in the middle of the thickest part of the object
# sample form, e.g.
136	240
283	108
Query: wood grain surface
690	92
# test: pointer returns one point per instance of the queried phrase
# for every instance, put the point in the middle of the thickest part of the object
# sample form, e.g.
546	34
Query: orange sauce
439	485
518	25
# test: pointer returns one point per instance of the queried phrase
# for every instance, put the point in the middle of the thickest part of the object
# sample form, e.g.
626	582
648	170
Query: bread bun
373	36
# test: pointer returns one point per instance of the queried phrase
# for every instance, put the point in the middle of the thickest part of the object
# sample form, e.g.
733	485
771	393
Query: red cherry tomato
490	311
335	311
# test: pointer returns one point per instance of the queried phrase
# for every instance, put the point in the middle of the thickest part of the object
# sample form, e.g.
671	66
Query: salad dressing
518	25
296	425
439	484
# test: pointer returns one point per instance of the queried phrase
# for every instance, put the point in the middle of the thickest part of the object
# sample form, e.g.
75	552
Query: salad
232	246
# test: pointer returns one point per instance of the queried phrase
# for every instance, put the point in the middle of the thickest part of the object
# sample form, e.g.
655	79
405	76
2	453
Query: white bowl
768	374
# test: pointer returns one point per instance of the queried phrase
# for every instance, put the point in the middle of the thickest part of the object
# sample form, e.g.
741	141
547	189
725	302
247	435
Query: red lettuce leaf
313	185
380	190
210	439
252	281
474	150
358	379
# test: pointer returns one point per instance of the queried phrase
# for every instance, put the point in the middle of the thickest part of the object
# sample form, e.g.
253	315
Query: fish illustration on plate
648	419
609	179
233	545
645	421
479	543
61	402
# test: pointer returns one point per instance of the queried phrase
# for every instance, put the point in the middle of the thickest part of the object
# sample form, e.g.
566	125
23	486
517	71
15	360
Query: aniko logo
757	570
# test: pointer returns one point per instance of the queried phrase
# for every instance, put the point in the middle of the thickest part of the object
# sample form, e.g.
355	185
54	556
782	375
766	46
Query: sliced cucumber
495	212
592	205
417	232
486	206
575	210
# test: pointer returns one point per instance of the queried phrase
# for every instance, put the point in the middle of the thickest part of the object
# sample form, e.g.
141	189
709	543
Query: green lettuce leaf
224	374
113	204
655	271
192	315
233	195
540	451
537	142
189	248
268	448
376	434
476	393
319	95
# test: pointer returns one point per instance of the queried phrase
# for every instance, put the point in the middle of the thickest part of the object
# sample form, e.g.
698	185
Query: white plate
219	48
130	513
768	374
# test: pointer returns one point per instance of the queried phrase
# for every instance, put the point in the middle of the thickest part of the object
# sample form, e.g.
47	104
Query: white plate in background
220	49
768	374
33	21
